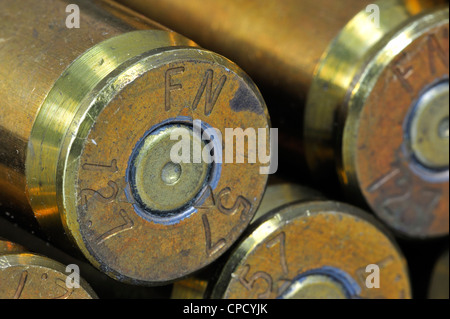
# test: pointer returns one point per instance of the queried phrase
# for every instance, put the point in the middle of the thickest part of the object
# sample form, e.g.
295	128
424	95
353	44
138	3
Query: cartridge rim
310	239
406	194
163	190
30	276
359	113
94	200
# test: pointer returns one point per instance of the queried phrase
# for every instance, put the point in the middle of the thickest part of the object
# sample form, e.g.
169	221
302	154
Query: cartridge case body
370	81
85	138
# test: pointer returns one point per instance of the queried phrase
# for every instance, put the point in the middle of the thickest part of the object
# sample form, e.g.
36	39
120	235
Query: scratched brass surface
77	104
369	102
361	78
288	253
28	276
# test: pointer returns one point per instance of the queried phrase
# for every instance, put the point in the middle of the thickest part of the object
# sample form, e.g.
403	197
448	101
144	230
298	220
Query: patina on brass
82	110
29	276
362	67
307	247
375	96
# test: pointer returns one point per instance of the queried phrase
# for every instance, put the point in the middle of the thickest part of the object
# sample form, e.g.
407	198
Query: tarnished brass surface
439	283
78	106
28	276
362	76
104	286
373	105
312	248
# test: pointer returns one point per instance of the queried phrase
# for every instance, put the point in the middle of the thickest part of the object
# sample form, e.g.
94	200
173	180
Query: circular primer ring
211	180
429	174
351	288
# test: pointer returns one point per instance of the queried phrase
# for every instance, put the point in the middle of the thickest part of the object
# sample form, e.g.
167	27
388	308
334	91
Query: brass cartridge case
302	246
29	276
85	124
371	84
